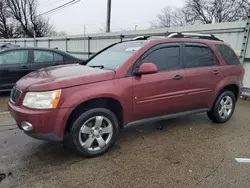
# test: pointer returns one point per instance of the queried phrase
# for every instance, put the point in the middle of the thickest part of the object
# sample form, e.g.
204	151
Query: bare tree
209	11
25	13
170	17
203	12
40	25
58	34
7	28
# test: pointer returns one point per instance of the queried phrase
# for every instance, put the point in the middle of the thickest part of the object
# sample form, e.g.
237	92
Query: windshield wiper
97	66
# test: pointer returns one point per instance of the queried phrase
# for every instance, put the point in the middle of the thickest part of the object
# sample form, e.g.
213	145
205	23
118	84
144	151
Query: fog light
26	126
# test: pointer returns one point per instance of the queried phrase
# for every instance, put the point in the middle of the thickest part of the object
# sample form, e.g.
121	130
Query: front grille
15	94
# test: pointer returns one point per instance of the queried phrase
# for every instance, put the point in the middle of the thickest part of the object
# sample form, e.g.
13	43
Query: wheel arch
229	87
102	102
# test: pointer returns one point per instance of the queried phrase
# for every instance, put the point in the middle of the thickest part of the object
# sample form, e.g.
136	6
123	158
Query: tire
223	108
94	132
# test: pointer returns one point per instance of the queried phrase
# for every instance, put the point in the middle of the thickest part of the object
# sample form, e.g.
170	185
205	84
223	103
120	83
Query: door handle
216	72
24	67
177	77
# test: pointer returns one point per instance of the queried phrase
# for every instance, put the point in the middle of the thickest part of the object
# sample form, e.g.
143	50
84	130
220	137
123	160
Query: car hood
51	78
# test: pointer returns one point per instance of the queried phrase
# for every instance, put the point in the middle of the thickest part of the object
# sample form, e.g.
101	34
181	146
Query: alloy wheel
225	107
96	133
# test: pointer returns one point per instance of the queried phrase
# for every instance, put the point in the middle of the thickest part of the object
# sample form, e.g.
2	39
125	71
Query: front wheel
223	108
94	132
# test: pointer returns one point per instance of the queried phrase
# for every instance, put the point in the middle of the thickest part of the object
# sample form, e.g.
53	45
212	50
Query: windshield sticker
132	49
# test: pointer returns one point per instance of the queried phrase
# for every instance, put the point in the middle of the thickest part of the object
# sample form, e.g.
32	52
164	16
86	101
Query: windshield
115	56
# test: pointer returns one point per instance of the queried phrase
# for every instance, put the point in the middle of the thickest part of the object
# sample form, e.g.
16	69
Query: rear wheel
223	108
94	132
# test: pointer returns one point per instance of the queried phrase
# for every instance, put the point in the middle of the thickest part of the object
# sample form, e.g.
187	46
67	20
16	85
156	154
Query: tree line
19	18
202	12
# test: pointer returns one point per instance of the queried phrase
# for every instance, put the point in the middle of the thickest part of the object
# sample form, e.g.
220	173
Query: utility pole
34	35
85	40
108	16
84	30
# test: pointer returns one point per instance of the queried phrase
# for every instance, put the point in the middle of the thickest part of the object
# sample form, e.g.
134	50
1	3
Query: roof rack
141	38
193	35
150	37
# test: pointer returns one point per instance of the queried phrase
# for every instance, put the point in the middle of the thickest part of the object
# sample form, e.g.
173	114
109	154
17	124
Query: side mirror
146	68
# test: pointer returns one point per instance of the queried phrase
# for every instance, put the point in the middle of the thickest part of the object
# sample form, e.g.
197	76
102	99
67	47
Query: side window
58	57
167	58
14	57
199	56
42	56
228	55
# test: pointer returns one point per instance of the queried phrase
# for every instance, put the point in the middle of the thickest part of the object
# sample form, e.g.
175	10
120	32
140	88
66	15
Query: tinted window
58	57
228	55
14	57
199	56
115	56
165	58
43	56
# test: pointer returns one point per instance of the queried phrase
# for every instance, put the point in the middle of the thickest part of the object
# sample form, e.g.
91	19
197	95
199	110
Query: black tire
73	139
213	114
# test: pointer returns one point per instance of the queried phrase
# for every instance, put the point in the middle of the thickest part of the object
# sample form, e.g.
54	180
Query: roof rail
193	35
141	38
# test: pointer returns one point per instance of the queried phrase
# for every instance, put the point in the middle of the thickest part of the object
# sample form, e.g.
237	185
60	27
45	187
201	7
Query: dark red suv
137	81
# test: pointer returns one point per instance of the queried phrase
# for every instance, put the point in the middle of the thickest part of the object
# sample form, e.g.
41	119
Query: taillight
243	72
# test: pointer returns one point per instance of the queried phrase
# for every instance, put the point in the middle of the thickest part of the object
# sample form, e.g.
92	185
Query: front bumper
47	124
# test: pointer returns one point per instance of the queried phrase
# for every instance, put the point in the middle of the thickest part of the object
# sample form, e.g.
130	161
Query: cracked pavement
190	151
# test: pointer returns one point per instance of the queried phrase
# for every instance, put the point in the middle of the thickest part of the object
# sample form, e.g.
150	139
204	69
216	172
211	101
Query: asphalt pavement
190	151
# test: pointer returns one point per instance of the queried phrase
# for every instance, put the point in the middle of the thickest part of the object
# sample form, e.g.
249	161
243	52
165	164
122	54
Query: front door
14	64
164	92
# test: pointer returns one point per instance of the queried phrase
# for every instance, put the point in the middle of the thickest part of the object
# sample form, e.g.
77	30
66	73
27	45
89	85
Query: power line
60	7
52	3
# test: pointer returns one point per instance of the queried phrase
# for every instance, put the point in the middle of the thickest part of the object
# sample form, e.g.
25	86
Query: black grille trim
15	95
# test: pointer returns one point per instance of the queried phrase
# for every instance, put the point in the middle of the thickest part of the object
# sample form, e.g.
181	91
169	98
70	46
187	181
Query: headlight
42	100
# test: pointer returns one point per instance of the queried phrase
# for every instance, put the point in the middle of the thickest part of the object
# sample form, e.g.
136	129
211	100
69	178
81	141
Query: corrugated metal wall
84	46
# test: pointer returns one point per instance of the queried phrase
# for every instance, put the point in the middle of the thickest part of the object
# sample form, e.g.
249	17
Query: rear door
203	73
42	59
46	58
163	92
14	65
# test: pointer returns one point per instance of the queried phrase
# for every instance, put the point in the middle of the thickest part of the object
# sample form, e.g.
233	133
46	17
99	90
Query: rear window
228	55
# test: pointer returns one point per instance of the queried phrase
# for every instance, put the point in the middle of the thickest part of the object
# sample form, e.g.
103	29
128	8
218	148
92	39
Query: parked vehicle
130	82
4	46
17	62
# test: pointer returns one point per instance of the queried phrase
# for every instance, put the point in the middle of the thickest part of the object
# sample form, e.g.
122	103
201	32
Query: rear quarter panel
231	75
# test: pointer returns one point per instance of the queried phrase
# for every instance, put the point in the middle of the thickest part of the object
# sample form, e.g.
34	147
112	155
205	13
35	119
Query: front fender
120	90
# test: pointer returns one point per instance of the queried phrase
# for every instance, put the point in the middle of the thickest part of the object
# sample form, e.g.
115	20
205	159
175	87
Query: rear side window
228	55
43	56
165	59
58	57
199	56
